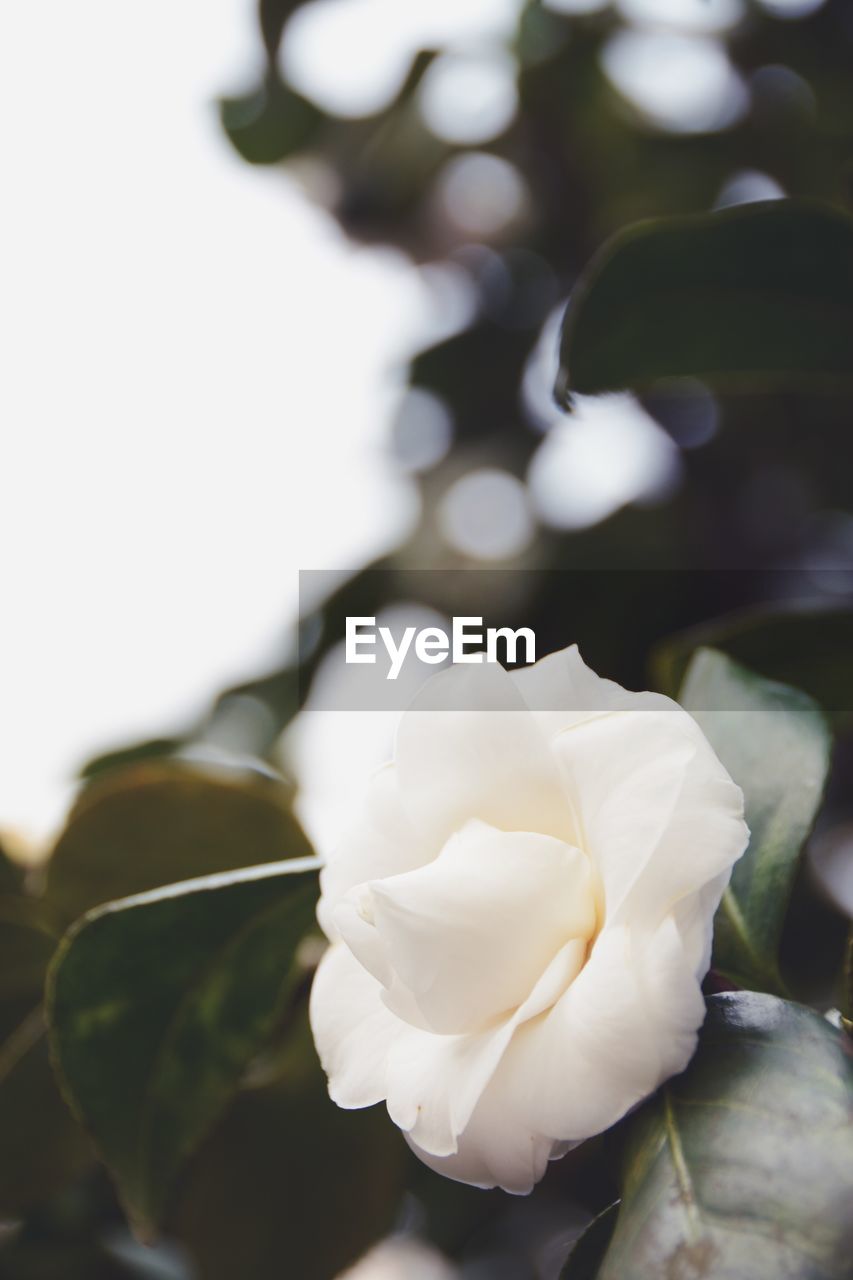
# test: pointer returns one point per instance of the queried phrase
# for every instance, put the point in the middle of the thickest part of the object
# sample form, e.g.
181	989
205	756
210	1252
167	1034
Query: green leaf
807	647
138	828
11	874
157	1005
42	1147
78	1260
742	1167
288	1184
847	985
135	754
588	1251
27	941
270	123
775	743
759	293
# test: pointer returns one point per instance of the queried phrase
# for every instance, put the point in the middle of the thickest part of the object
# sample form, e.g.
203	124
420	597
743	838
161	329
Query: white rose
521	923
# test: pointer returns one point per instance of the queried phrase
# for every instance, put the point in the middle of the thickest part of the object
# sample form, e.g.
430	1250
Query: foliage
742	1166
151	1052
178	987
753	294
776	741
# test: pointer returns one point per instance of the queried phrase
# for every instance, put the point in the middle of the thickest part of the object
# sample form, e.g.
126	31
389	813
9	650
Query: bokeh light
486	515
469	98
684	15
607	453
352	56
747	186
579	7
684	84
422	430
791	8
482	195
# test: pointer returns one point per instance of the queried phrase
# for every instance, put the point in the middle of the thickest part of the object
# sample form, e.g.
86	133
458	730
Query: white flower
521	923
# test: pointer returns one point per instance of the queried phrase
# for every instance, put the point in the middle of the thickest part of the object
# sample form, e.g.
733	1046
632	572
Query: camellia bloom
521	922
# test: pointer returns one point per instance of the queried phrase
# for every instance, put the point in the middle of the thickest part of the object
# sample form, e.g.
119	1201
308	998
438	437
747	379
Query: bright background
168	464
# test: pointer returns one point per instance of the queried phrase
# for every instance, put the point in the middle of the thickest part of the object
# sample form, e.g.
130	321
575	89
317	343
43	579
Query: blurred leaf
272	16
587	1253
124	757
452	1214
742	1167
157	1005
37	1260
289	1184
41	1146
11	874
811	952
809	648
270	123
27	941
775	743
847	985
760	292
138	828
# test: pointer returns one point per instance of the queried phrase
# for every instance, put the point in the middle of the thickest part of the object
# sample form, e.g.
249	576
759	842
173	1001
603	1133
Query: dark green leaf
270	123
41	1145
847	986
289	1184
775	743
808	648
157	1005
585	1259
138	828
27	941
11	874
758	293
742	1167
74	1260
135	754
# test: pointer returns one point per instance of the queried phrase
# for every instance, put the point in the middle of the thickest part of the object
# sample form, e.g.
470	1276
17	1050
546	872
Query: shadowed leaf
157	1005
289	1184
138	828
41	1145
11	874
775	743
808	648
588	1251
749	295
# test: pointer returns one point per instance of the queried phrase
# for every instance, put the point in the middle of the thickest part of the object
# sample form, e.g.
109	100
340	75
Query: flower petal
382	843
694	918
435	1083
471	933
431	1083
563	692
578	1069
352	1029
660	815
627	1023
574	1072
492	1152
469	748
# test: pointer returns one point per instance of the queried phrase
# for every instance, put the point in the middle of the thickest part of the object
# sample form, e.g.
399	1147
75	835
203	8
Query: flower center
500	921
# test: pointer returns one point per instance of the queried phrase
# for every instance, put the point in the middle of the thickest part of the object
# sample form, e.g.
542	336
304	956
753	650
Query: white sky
193	400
